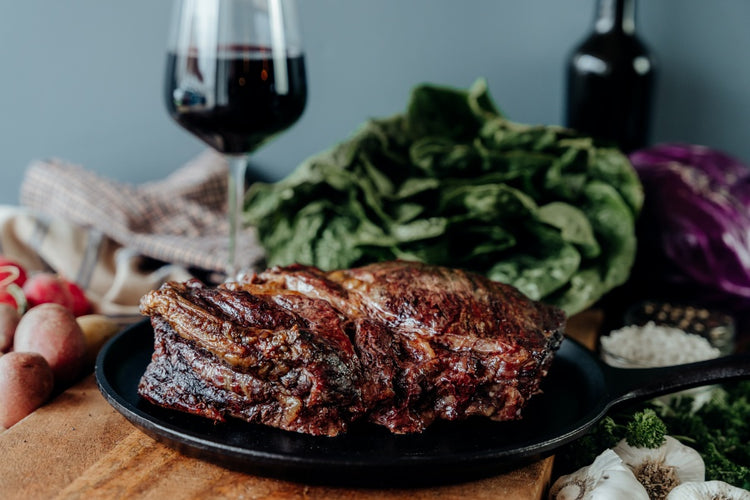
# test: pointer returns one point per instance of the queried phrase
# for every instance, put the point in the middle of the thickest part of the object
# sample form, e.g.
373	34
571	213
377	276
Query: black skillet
578	391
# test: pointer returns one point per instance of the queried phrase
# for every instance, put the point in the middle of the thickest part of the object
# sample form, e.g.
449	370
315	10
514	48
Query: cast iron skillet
578	391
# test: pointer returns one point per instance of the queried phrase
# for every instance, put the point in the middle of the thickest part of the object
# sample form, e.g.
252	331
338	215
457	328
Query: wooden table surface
78	446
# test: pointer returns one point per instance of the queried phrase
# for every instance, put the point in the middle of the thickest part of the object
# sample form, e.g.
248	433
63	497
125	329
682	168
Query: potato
8	322
52	331
97	329
26	381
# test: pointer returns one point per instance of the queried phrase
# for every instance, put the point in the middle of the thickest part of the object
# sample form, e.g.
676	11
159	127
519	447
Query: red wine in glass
244	104
235	78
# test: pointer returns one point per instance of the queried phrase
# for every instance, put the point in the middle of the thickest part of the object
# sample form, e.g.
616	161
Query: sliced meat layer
398	343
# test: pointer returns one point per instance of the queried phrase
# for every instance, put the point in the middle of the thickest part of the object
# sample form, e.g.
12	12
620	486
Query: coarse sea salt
654	345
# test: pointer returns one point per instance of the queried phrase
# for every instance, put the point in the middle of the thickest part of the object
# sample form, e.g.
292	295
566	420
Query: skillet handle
625	384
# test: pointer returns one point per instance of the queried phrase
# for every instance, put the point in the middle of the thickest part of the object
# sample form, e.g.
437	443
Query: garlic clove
708	490
607	478
662	469
688	462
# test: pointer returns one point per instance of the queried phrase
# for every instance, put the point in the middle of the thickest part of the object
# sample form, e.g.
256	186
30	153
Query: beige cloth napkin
112	276
117	240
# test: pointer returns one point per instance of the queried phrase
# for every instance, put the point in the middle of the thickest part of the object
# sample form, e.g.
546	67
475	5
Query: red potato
26	381
97	329
52	331
8	322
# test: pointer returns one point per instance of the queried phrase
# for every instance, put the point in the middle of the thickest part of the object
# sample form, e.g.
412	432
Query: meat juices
400	344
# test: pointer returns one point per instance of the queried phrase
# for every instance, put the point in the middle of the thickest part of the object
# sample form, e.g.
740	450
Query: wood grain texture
139	467
51	447
78	446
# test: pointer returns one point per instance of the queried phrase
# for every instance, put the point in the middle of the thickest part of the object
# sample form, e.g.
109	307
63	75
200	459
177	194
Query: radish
44	287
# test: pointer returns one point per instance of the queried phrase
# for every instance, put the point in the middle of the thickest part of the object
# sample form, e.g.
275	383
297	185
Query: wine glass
235	78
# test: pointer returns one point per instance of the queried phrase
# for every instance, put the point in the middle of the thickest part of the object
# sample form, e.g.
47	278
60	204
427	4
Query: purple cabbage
695	225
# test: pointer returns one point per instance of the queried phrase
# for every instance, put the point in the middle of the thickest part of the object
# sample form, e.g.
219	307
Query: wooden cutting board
78	446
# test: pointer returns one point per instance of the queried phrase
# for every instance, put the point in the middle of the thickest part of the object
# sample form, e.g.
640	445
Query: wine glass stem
237	169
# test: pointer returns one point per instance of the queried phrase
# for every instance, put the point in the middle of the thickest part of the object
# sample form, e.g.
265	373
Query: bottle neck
615	16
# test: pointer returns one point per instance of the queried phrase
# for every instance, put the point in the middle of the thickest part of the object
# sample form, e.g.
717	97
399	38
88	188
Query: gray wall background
81	80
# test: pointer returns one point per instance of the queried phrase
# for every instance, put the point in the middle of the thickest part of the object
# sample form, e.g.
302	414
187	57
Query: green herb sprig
719	430
646	430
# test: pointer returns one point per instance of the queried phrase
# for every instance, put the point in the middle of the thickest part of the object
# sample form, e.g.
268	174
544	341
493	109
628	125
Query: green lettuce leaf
452	182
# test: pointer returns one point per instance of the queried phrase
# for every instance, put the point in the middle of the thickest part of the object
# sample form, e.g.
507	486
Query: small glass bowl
618	360
716	326
700	395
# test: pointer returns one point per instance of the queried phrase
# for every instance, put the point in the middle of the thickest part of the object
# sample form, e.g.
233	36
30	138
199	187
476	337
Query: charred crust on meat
399	344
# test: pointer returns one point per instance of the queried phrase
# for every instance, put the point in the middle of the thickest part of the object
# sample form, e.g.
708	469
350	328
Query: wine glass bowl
235	78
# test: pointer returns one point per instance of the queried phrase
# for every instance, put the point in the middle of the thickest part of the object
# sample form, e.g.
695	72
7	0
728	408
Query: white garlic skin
688	463
708	490
607	478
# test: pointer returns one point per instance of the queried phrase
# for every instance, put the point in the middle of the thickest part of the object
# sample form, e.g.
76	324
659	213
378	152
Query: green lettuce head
452	182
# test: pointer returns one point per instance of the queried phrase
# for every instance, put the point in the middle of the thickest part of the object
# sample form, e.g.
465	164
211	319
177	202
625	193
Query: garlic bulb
661	469
607	478
710	490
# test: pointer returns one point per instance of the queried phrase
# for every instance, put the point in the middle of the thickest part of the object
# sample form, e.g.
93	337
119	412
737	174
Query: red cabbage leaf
696	216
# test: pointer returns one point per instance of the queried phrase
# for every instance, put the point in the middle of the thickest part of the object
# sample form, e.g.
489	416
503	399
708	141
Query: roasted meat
400	344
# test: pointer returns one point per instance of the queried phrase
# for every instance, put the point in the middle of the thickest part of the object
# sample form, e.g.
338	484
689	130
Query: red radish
13	296
7	298
44	287
11	272
79	304
9	318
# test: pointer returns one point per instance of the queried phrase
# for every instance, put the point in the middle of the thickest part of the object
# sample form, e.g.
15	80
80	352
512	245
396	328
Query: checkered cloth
118	240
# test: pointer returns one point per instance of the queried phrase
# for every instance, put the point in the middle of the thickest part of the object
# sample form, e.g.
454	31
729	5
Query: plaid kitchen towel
117	240
114	277
181	219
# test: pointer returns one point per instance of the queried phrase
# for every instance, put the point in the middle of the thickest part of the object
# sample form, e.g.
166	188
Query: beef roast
400	344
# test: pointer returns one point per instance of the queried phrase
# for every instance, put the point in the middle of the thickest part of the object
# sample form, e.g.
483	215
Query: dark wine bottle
610	79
